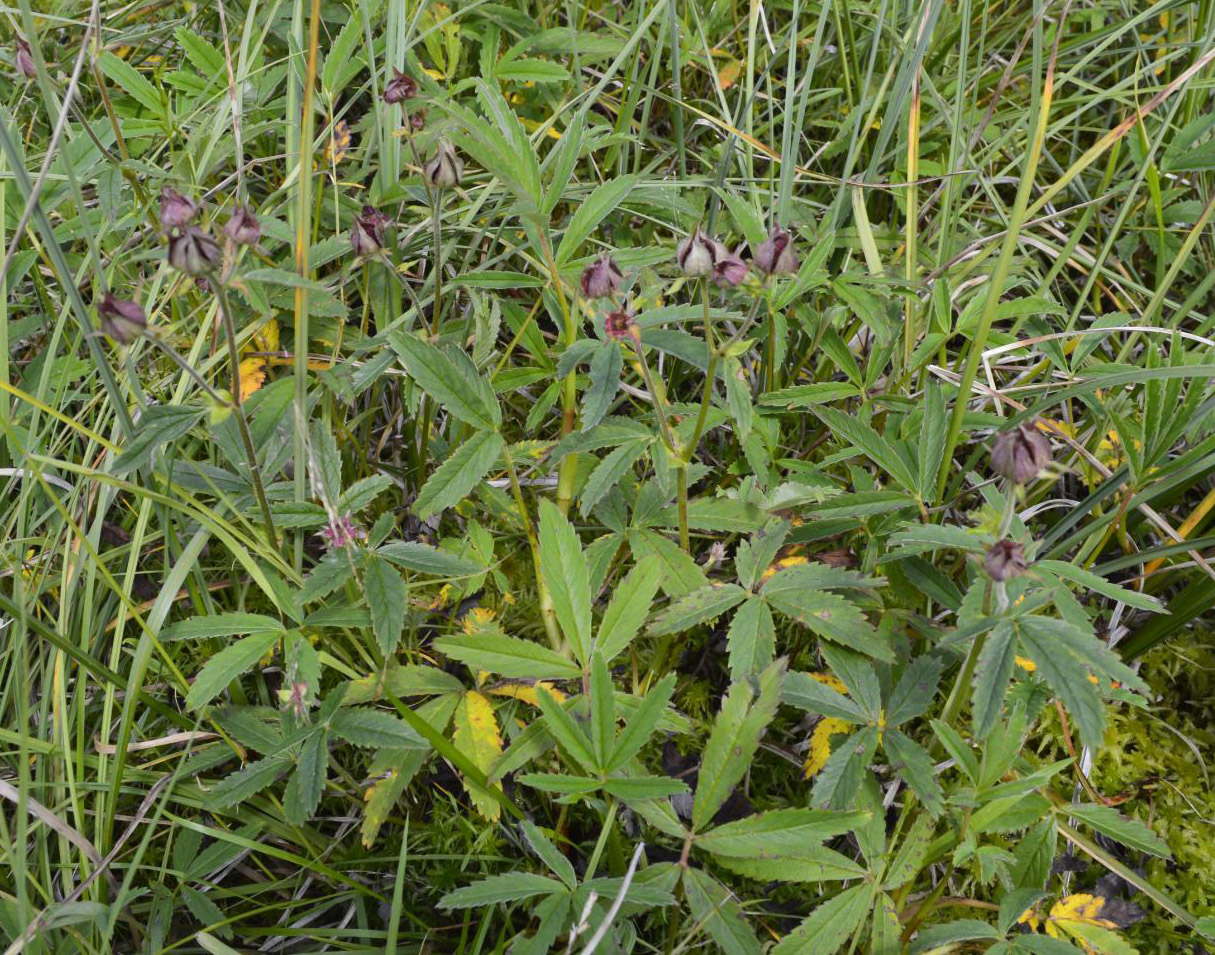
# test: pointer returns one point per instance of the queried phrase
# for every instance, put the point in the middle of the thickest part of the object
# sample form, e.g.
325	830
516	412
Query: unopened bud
729	270
367	233
121	319
175	209
400	88
1005	561
1020	454
444	169
601	278
192	251
243	227
776	255
696	255
23	59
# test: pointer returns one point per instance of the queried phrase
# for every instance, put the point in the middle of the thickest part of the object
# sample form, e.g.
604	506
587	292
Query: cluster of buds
342	531
23	59
1021	454
701	256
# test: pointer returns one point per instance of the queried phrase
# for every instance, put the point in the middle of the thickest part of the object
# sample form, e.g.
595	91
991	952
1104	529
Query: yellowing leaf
478	620
265	338
1079	908
1026	664
831	680
252	376
728	74
820	743
477	737
526	692
338	143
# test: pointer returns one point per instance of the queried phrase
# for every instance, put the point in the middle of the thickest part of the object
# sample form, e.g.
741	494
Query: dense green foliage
595	476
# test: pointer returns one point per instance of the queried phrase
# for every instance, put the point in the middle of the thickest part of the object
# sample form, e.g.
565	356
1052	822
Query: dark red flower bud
621	324
367	233
1005	561
243	227
697	254
192	251
417	120
1020	454
23	59
776	255
121	319
601	278
444	169
175	209
729	270
400	88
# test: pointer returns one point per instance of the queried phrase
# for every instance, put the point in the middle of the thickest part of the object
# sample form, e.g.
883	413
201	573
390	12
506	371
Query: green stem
238	411
707	397
547	614
995	288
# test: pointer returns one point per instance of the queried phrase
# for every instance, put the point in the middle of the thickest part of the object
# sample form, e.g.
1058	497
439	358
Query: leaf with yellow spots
252	376
525	692
820	743
477	737
831	680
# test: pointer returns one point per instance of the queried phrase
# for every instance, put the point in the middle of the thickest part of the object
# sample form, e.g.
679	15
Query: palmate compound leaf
565	572
450	378
716	908
733	741
828	927
779	833
628	608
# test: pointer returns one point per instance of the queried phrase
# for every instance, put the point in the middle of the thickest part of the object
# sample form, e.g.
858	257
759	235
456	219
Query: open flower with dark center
621	325
176	210
243	227
445	168
729	269
697	254
121	319
601	278
367	233
23	59
1020	454
1005	560
400	88
776	255
193	251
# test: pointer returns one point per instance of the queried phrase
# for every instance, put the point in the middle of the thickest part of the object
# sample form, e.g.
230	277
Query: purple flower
23	59
776	255
697	254
121	319
601	278
1005	561
367	233
342	532
192	251
621	324
175	209
400	88
444	169
729	269
243	227
1020	454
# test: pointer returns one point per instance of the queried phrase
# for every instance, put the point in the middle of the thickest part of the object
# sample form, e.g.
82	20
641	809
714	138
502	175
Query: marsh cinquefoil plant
604	477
